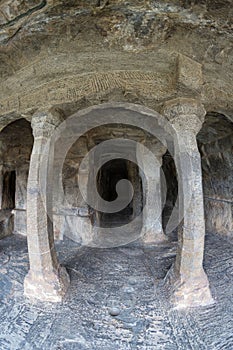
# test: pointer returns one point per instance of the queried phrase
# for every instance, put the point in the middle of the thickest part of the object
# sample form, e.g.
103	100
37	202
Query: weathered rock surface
216	147
42	41
126	278
70	56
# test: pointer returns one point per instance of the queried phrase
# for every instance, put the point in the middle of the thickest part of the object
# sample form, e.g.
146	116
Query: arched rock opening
181	120
108	177
16	142
81	222
170	173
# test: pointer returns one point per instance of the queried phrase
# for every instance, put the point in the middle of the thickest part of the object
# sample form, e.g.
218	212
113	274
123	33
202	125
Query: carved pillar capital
44	122
185	114
157	148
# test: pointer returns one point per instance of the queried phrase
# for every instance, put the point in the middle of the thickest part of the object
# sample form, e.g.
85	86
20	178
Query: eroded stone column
46	280
152	212
187	277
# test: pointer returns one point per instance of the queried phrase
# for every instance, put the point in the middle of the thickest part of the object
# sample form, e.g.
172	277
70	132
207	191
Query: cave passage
8	195
107	179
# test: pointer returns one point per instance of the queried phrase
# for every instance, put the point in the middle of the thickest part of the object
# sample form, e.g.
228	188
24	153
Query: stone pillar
46	280
187	277
20	200
152	231
133	175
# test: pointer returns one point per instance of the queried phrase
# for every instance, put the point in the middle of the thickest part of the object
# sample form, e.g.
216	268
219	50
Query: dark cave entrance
169	170
9	187
108	176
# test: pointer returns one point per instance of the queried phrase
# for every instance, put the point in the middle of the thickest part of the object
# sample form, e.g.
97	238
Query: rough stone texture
216	146
70	56
54	52
189	73
128	278
6	223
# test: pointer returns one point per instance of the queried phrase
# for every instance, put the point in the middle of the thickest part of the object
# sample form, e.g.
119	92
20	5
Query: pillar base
50	287
188	292
152	237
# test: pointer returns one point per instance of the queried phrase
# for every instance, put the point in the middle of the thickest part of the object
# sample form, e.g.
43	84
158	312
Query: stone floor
127	278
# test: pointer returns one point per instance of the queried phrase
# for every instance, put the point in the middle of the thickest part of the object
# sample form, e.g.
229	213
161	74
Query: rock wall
216	147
